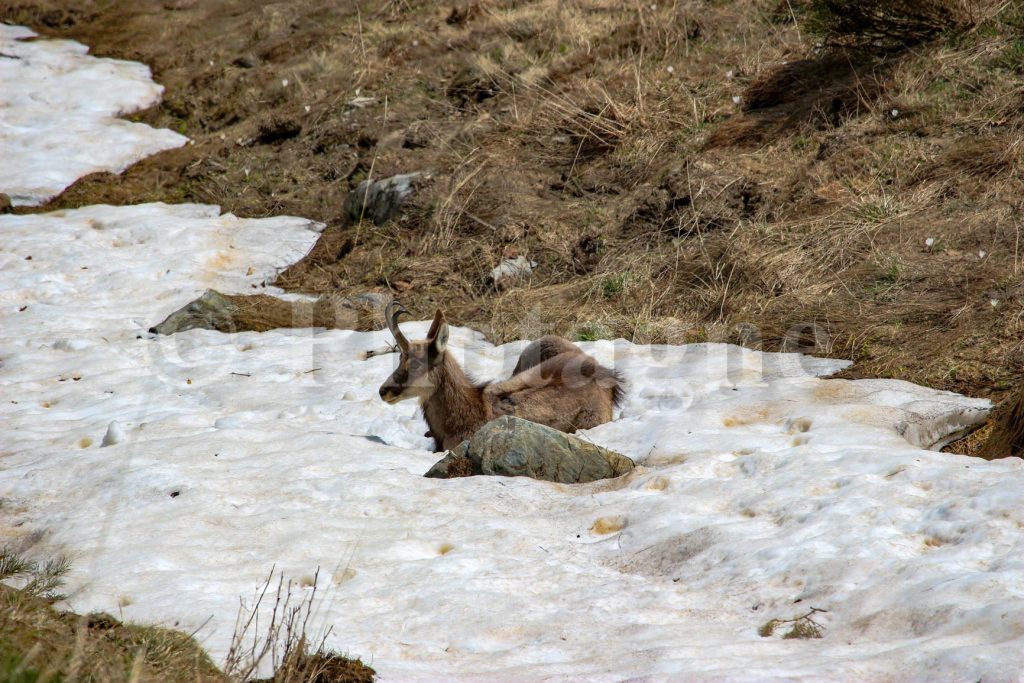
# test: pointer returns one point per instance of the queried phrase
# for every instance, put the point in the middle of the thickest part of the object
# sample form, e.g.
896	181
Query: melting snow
176	471
57	103
763	490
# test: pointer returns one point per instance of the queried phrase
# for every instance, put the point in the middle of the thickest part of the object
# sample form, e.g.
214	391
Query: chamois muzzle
390	394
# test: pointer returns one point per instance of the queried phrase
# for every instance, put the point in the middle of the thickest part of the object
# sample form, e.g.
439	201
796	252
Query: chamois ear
438	334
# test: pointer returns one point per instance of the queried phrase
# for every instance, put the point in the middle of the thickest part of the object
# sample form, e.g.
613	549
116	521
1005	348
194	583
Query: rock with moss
211	311
513	447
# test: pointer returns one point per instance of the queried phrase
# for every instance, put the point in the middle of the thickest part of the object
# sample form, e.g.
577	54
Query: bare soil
681	171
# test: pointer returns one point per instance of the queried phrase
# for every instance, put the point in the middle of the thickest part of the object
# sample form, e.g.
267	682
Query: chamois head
414	377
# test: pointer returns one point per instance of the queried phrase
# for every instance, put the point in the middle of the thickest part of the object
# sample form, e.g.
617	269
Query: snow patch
58	115
178	470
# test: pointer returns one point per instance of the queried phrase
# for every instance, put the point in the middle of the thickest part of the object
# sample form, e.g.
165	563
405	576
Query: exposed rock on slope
260	312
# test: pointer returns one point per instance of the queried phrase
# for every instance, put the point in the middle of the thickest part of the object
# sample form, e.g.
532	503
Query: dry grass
285	642
890	24
38	643
1005	436
681	172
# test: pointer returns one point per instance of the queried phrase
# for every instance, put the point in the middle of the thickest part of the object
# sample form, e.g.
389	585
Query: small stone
511	269
381	200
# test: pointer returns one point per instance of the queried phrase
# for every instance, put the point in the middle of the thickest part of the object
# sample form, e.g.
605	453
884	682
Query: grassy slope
658	160
38	643
41	644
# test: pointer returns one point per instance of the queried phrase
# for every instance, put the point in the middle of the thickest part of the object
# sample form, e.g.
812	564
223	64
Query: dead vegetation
1005	433
828	176
285	642
40	643
890	24
800	627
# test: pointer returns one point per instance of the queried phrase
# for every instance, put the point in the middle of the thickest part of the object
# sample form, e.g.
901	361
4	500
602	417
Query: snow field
760	486
177	471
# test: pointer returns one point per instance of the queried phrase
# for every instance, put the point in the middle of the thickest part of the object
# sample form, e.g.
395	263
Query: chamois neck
449	374
455	409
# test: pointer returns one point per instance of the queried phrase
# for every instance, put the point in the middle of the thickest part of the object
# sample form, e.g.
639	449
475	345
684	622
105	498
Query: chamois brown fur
554	383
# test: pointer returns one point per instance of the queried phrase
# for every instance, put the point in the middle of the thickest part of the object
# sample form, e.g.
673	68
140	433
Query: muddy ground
680	171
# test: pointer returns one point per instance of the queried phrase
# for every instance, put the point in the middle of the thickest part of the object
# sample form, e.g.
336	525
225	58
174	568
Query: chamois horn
391	313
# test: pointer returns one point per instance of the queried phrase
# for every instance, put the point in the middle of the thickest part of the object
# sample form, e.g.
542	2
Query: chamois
554	383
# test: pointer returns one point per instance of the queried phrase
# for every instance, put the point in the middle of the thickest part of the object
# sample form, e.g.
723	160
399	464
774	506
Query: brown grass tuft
286	641
1006	436
40	643
821	92
888	24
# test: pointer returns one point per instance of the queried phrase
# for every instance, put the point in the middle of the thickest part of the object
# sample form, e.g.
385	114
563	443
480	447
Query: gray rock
211	311
380	200
513	447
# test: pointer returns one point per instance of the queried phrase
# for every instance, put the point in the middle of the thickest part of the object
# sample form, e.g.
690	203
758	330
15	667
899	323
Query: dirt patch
679	173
